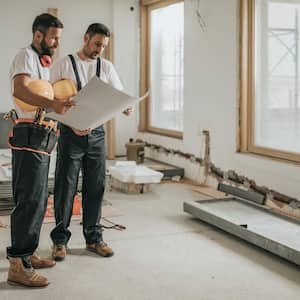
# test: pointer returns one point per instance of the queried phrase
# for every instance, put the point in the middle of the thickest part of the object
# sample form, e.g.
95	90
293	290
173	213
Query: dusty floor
163	254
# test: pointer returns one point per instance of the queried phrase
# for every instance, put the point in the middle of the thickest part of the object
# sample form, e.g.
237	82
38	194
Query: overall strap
79	85
98	70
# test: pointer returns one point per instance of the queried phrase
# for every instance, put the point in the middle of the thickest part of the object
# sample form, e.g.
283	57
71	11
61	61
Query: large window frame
146	6
246	142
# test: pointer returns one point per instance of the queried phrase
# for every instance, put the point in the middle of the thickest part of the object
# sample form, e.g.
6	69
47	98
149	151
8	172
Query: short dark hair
44	21
97	28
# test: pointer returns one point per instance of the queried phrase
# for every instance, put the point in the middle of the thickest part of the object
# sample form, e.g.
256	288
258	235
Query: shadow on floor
5	286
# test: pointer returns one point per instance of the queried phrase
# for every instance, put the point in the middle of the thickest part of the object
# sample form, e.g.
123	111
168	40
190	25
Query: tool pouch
32	137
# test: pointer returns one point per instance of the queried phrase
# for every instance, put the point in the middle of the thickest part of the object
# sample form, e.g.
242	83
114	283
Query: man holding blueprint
83	148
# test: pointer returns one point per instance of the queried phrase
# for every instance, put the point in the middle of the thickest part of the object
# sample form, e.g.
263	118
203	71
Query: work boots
59	252
18	274
101	249
39	263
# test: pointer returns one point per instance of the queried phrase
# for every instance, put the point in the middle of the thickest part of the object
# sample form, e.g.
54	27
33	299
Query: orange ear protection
45	60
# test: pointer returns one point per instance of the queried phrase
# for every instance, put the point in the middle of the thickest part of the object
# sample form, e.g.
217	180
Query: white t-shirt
27	62
63	69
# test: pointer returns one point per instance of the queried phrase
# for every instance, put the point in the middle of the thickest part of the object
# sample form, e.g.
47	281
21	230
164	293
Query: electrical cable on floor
113	226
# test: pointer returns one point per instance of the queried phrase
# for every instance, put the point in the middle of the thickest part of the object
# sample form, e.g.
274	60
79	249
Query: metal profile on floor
247	195
251	222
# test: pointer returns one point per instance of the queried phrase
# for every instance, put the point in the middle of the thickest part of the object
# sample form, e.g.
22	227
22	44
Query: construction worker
30	161
82	149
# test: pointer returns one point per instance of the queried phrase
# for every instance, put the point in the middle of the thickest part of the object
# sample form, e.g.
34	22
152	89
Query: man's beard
46	49
90	54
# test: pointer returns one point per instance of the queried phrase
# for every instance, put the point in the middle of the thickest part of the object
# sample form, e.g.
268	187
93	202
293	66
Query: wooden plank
210	192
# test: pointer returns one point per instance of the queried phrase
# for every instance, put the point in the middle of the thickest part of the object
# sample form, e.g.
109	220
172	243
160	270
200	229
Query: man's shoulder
107	65
61	62
26	51
63	59
106	62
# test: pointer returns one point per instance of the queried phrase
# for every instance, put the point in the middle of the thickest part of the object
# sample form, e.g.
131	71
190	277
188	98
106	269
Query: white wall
126	53
16	19
211	97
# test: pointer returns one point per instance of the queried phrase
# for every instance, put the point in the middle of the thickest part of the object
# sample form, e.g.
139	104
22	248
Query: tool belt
31	136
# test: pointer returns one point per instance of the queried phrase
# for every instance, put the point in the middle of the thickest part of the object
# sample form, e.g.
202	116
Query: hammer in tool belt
42	117
38	115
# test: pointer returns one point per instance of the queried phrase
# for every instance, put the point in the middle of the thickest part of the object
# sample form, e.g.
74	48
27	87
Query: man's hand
81	132
128	111
61	107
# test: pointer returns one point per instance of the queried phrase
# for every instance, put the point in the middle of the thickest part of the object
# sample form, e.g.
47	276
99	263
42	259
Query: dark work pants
30	194
88	154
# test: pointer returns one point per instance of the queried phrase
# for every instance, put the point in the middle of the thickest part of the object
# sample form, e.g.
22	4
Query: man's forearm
33	99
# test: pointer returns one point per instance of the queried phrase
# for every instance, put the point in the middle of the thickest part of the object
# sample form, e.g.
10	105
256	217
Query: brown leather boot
39	263
101	249
18	274
59	252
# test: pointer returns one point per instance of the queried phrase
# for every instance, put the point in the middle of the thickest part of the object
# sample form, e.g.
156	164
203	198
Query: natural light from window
166	67
277	69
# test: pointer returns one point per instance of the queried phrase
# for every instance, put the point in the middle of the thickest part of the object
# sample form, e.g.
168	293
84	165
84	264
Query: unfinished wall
210	100
211	71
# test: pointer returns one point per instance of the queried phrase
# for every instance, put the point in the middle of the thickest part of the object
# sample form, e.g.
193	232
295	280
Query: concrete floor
164	254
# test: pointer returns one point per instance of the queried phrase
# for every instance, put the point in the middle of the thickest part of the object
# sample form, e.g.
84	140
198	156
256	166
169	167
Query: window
162	66
270	69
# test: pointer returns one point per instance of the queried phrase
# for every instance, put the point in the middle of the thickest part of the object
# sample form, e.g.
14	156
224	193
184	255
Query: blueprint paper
96	103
